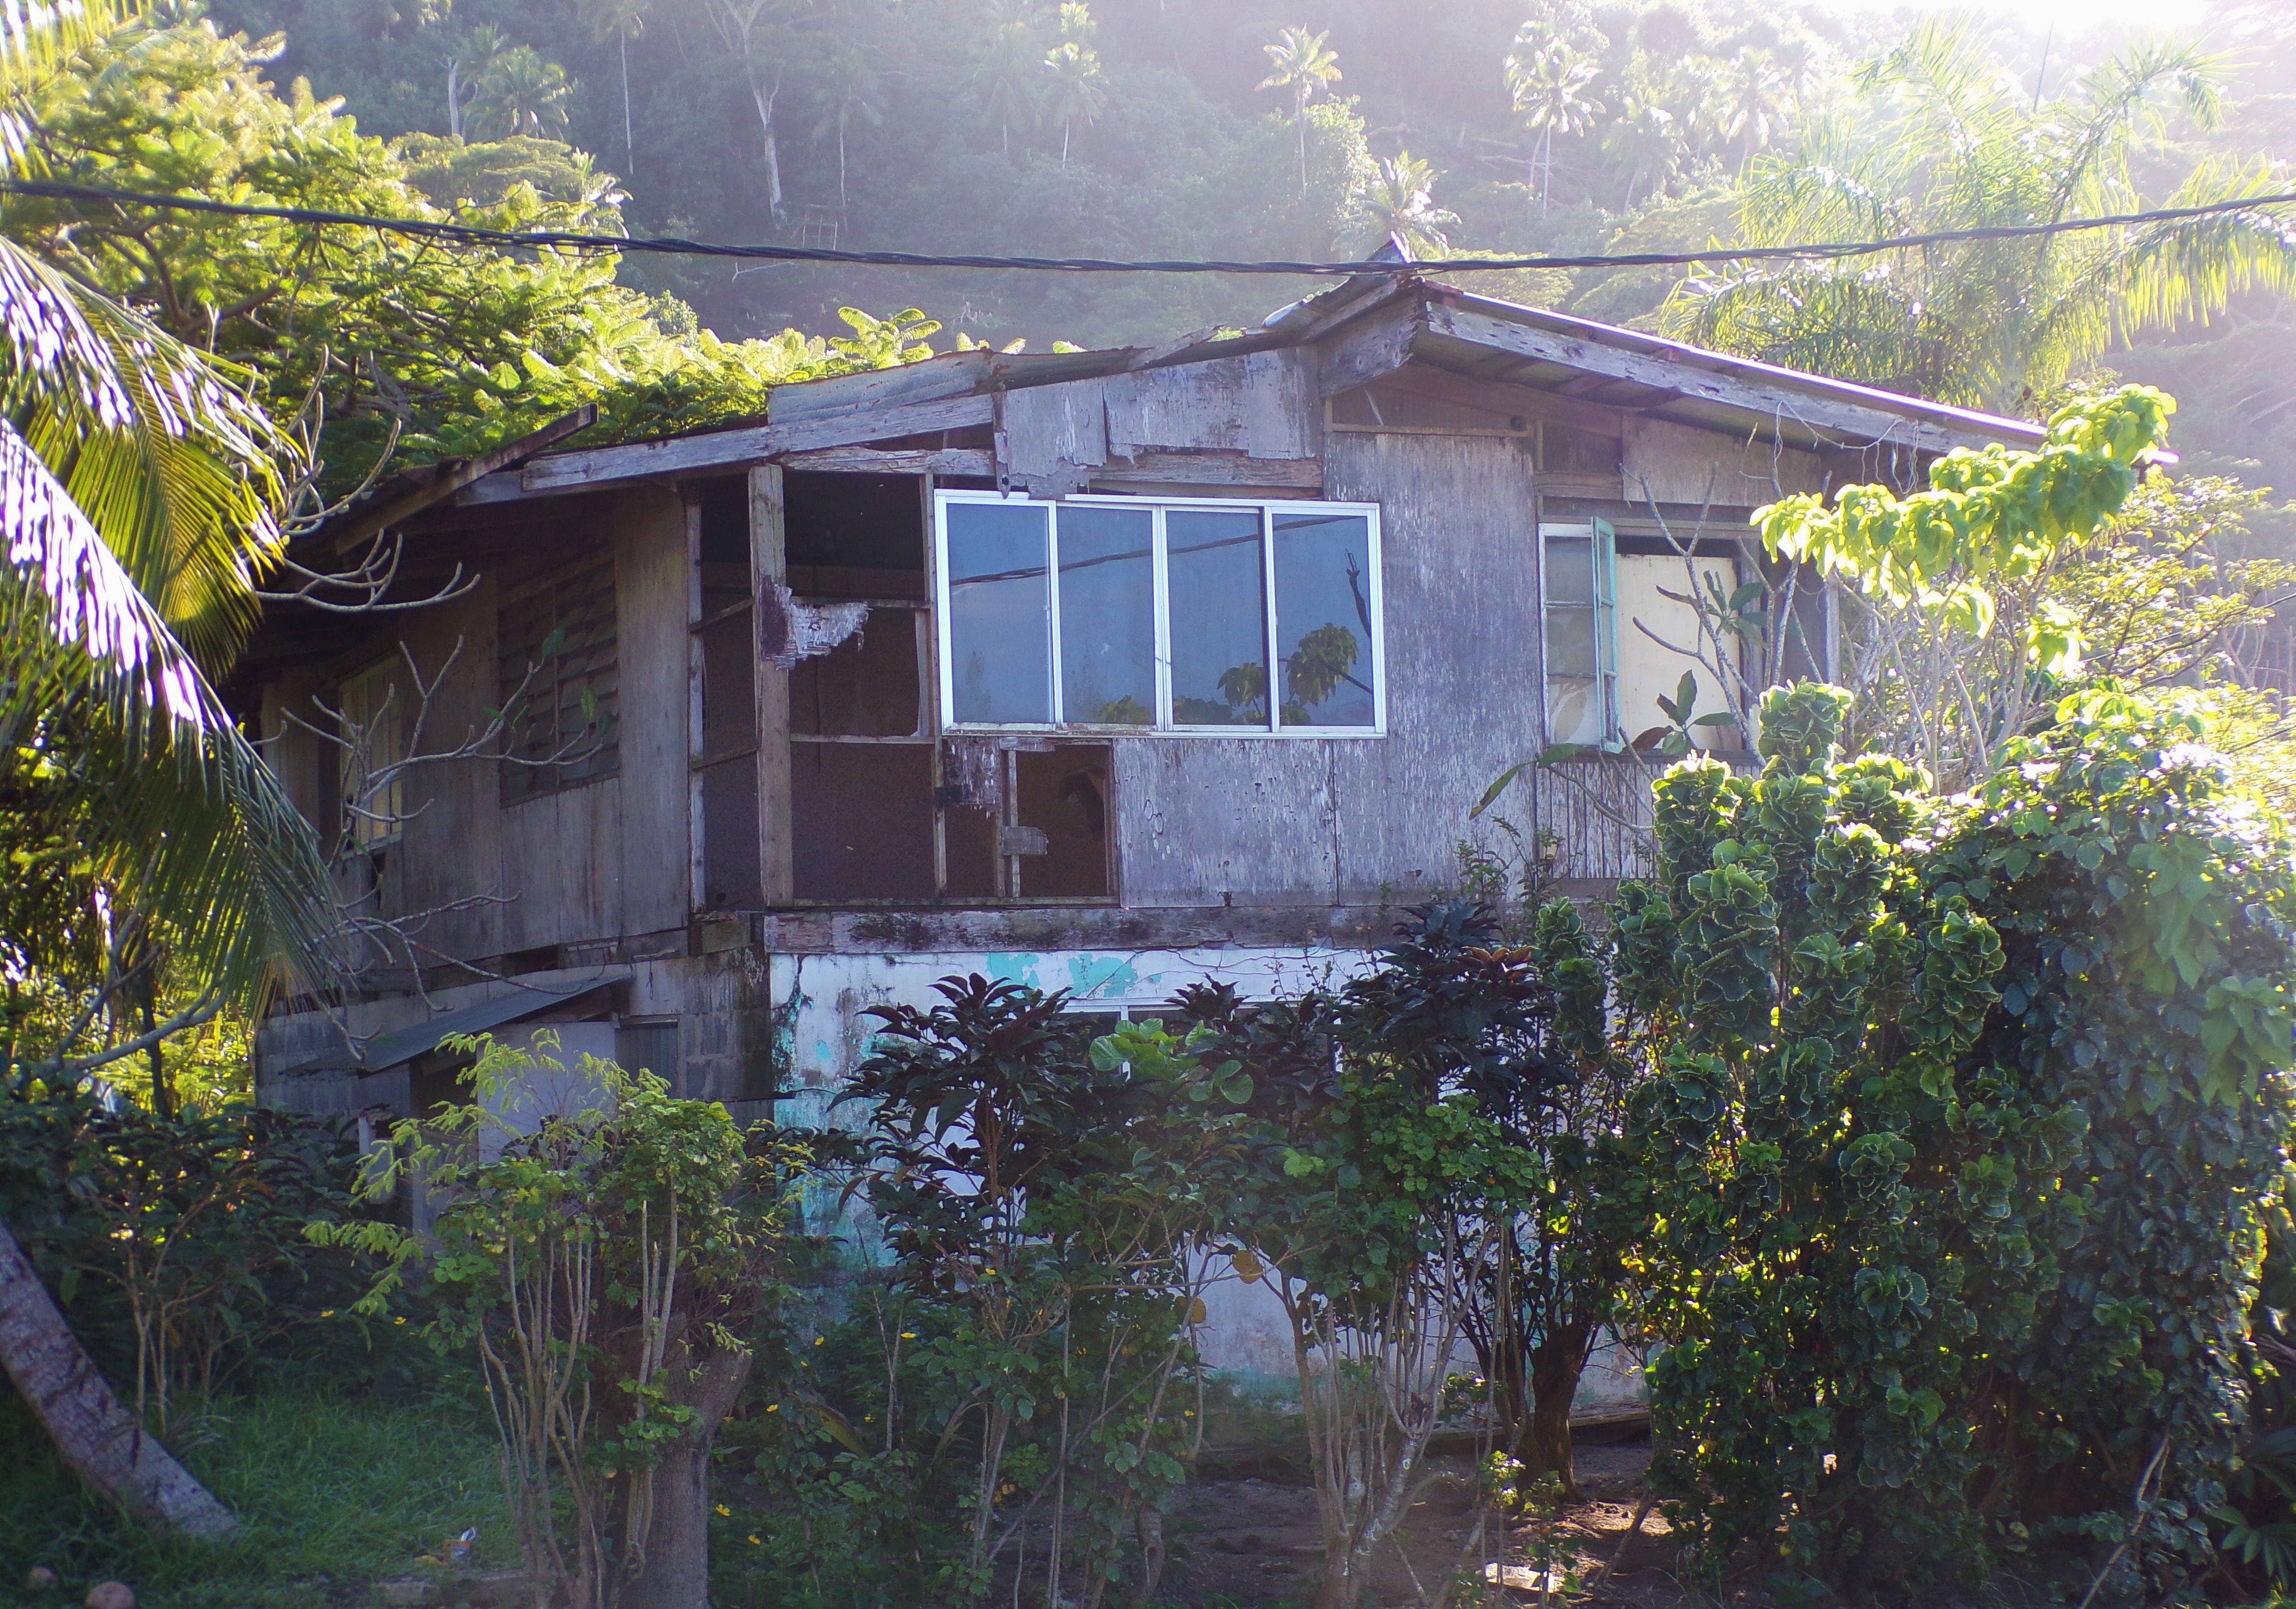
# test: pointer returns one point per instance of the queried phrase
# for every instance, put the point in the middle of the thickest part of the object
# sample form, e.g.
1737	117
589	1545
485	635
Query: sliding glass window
1107	614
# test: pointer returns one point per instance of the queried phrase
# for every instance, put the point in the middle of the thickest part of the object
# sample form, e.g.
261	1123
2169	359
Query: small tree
605	1263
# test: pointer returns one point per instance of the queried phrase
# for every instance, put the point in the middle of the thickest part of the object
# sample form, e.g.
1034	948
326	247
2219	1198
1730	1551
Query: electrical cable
564	240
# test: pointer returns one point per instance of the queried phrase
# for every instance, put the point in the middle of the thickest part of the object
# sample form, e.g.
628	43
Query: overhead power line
566	240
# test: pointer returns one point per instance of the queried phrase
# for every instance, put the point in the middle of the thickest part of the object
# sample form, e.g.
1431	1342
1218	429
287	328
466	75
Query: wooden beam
950	374
735	449
1377	346
869	461
769	567
355	524
1672	374
1207	469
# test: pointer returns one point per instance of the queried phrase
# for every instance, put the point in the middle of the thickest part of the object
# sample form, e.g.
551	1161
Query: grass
332	1494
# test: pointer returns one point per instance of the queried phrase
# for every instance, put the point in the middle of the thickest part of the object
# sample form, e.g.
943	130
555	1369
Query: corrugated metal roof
403	1045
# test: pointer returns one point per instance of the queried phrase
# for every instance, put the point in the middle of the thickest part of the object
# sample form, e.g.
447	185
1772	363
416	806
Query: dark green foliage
1962	1121
176	1245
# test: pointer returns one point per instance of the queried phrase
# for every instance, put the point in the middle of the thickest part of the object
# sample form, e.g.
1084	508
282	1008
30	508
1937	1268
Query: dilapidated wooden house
1105	670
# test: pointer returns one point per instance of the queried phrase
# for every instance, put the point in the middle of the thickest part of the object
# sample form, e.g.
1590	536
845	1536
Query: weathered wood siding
452	849
651	585
1225	821
1667	462
570	866
1601	811
1460	569
1299	821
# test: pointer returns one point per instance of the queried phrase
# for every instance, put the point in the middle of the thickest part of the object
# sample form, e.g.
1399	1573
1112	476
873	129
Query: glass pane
1108	616
1570	569
1570	642
1574	713
1323	618
1000	621
1219	625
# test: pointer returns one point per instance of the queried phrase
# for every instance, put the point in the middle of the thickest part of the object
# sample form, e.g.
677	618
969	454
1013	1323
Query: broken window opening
557	669
1113	614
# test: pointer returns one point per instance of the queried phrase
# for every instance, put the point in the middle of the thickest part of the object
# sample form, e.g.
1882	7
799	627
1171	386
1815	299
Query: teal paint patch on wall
1017	967
1102	977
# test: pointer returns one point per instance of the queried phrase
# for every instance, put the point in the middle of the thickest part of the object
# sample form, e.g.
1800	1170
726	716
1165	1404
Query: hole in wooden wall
1063	794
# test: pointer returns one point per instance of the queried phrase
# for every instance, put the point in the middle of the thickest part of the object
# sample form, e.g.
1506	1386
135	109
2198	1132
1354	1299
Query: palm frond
198	832
152	439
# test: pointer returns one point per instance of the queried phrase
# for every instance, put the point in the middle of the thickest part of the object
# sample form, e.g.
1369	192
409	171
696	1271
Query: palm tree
850	89
1549	78
1302	65
522	92
621	20
140	486
1398	203
1691	95
1753	101
1075	91
1945	142
466	65
1644	141
1010	79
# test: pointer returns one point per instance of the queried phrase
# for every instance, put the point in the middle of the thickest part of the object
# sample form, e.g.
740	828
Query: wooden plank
1263	404
769	567
1205	821
950	374
1459	571
451	850
1672	374
752	444
436	482
1668	463
1379	345
1050	438
1283	412
1210	469
871	461
1601	811
697	815
653	596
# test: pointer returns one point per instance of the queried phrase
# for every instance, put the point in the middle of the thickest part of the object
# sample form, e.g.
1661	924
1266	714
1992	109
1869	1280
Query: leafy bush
1963	1120
176	1245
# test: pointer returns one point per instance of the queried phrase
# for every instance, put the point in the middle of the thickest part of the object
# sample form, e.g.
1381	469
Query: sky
2070	17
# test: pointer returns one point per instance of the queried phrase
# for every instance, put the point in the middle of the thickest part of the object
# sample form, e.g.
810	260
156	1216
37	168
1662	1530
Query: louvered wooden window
555	652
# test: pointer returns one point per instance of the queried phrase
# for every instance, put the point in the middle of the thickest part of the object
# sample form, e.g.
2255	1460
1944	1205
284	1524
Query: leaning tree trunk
103	1443
676	1571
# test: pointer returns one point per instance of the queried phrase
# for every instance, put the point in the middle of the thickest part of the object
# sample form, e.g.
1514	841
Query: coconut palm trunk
94	1434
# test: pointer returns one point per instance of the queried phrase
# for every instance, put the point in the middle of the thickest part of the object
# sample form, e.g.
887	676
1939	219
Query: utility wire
563	240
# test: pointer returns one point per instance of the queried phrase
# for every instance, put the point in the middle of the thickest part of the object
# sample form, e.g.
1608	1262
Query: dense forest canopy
1297	128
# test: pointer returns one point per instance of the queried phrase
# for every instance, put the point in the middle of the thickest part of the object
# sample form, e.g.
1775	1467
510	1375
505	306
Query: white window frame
1602	552
1159	507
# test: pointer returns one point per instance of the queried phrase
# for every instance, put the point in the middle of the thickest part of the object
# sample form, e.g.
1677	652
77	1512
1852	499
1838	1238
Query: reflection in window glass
1579	624
1571	606
1219	625
1108	616
1323	618
999	613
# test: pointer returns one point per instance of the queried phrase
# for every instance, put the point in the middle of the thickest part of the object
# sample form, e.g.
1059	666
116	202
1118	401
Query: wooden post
769	567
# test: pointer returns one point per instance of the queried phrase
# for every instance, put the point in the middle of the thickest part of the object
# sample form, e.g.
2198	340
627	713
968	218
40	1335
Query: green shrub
1962	1121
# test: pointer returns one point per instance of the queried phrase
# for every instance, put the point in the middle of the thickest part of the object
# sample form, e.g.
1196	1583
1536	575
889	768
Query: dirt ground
1253	1543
